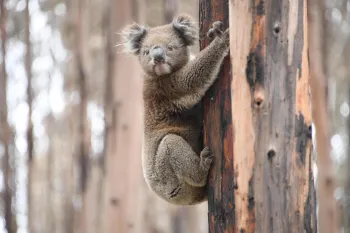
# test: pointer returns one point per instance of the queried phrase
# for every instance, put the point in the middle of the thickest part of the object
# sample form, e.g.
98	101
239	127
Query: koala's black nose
158	54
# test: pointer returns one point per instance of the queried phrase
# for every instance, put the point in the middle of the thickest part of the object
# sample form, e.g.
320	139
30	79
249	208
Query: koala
174	165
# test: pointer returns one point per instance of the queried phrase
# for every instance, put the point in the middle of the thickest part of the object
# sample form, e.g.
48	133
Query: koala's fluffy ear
132	35
186	27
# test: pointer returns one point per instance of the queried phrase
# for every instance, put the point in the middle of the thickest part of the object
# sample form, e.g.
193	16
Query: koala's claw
216	30
205	152
206	157
218	25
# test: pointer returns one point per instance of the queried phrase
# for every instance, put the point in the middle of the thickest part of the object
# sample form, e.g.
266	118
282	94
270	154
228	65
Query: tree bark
30	143
328	210
218	128
5	131
258	120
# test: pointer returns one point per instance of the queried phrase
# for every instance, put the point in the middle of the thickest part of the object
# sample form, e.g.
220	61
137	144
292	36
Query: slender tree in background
84	146
125	187
50	224
110	115
108	110
328	210
5	131
170	9
258	120
30	143
110	61
82	72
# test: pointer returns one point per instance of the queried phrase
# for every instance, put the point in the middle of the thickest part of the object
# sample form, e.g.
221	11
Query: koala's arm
199	74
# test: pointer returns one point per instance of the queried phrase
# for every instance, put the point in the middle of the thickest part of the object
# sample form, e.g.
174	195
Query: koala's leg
199	74
186	164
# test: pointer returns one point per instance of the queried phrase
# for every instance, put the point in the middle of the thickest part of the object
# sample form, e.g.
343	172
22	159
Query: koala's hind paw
216	30
206	158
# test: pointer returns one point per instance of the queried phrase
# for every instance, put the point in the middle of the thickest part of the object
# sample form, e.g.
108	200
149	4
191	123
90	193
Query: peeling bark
258	120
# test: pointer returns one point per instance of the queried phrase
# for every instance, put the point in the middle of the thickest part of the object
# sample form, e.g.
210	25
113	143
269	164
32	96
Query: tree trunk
328	209
82	52
258	122
218	128
81	56
30	143
170	9
50	224
5	131
108	106
124	122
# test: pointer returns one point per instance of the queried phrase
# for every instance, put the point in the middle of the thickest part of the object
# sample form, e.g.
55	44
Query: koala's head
161	50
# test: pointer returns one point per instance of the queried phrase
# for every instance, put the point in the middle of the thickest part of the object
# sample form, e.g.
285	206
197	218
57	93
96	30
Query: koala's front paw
216	30
206	158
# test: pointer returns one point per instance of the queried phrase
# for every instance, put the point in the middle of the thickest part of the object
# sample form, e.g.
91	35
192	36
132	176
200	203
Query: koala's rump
158	173
163	181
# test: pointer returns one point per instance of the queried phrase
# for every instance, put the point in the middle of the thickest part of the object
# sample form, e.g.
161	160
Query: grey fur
133	36
174	165
186	28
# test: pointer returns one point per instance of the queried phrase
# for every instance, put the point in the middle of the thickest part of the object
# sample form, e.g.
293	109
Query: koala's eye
170	47
145	52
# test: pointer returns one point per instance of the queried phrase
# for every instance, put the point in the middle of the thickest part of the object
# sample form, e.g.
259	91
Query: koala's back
163	117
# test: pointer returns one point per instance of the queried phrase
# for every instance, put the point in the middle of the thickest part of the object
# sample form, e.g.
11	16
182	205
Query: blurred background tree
329	50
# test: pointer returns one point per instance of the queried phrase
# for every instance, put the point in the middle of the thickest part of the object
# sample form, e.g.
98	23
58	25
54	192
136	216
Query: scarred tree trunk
258	120
218	127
